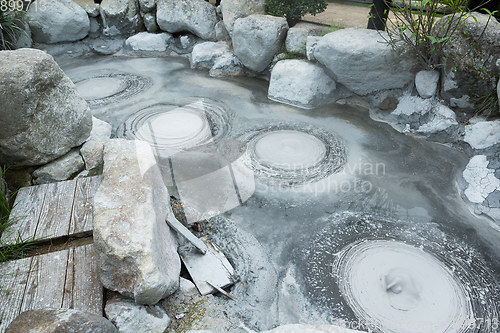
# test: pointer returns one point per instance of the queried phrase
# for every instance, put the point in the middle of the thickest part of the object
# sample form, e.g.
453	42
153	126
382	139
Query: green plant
12	23
293	10
421	28
333	27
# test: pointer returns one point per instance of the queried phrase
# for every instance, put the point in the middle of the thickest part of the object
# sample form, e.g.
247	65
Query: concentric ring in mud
173	127
106	88
397	276
293	154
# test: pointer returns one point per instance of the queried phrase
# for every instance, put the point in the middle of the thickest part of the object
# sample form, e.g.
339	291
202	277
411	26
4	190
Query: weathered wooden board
13	278
63	279
53	210
56	210
83	290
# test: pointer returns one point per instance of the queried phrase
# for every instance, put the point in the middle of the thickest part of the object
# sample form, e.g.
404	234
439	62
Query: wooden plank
55	215
45	286
26	213
83	290
13	278
81	216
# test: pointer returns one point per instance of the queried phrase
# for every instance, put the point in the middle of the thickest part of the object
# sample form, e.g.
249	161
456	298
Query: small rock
60	320
92	152
101	131
95	28
150	22
205	54
426	83
296	40
300	83
187	287
147	6
227	65
483	134
145	41
130	317
60	169
311	43
235	9
221	33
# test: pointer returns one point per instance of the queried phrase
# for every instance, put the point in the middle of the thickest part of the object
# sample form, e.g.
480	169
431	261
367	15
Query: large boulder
120	17
196	16
61	21
136	250
43	115
235	9
300	83
362	61
257	38
60	320
470	61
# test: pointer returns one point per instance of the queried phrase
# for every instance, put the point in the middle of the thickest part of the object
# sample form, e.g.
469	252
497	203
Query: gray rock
60	320
92	9
205	54
145	41
227	65
24	40
187	287
101	131
150	22
107	46
60	169
469	61
92	154
43	115
235	9
120	17
147	5
311	43
498	90
221	33
426	83
62	21
483	134
129	317
257	38
185	44
362	61
443	122
296	40
300	83
195	16
136	251
95	28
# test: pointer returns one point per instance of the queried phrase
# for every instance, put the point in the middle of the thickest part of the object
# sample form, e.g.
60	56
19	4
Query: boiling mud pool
365	226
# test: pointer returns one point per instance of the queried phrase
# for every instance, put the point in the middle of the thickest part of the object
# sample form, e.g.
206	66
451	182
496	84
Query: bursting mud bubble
400	276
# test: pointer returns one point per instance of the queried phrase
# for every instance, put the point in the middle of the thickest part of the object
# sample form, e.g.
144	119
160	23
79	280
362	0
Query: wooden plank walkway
53	210
63	279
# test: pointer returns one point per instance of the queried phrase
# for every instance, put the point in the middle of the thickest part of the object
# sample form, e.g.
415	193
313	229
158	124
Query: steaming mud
101	88
400	276
179	125
293	154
